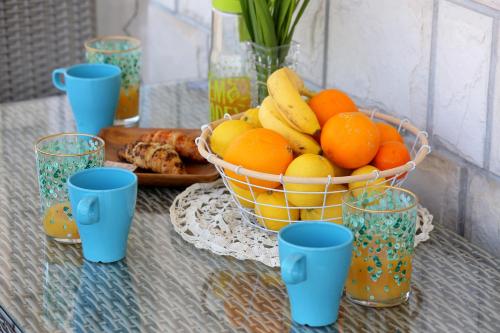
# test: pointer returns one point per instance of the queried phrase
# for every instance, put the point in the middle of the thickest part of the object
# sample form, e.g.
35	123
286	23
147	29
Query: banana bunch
286	87
285	112
271	118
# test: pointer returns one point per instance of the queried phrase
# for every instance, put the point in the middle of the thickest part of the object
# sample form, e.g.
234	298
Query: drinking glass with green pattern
124	52
383	220
58	156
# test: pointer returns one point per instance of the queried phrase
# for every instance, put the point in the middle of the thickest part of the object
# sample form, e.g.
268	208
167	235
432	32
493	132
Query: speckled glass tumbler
383	220
58	157
124	52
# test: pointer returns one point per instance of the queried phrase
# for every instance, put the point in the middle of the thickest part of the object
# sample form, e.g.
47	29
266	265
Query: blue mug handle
87	211
293	269
56	78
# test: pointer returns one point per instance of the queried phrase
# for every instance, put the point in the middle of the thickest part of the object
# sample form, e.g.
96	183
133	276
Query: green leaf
246	19
258	38
297	19
271	23
266	23
286	24
276	11
284	8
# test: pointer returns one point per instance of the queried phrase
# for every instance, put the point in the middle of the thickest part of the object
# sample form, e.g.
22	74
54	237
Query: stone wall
435	62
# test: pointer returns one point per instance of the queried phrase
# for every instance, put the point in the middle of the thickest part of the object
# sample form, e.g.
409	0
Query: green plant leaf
272	23
266	23
246	19
255	24
286	24
297	19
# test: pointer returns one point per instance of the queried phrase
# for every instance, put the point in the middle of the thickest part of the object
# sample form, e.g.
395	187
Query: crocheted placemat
206	216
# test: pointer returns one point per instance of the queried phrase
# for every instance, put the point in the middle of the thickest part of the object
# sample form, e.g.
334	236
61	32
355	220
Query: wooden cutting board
117	137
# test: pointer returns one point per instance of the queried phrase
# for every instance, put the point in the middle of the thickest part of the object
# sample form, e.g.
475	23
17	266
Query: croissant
183	143
157	157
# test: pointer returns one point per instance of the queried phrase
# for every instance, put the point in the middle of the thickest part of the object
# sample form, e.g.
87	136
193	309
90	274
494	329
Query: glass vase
265	60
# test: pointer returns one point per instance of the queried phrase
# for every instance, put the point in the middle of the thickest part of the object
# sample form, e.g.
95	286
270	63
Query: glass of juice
124	52
383	220
58	156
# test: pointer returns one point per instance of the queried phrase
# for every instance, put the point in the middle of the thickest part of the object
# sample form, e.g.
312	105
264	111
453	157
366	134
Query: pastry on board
156	157
183	143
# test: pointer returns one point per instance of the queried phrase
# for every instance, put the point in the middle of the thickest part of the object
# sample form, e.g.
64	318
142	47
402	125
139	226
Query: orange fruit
391	154
329	103
388	133
58	221
350	140
260	150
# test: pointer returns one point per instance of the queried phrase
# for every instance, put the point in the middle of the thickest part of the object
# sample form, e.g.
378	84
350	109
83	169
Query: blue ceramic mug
93	91
103	204
315	259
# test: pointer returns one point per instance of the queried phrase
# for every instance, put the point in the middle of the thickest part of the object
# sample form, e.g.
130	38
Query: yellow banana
290	104
251	116
270	118
298	83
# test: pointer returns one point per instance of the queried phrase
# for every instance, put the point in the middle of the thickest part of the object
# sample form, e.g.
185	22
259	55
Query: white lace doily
205	216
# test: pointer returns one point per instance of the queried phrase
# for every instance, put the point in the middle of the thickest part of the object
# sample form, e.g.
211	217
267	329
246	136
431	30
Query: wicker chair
37	36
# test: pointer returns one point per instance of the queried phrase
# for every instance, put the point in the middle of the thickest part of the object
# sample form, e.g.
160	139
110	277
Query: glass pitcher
229	74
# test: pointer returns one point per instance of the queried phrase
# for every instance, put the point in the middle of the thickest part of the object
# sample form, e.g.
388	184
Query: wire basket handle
420	155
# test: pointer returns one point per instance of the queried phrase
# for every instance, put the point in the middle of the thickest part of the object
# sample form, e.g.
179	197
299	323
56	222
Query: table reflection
61	280
106	299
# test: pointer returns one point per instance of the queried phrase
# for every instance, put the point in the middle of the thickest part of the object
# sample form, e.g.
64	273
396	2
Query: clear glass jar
228	77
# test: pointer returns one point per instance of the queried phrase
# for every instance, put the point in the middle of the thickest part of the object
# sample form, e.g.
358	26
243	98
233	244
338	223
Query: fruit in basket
271	118
330	102
269	216
391	154
259	149
388	133
373	183
289	102
350	140
340	172
307	165
244	196
298	83
330	214
251	116
224	134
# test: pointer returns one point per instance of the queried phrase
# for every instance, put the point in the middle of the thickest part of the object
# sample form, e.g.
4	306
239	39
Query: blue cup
93	91
103	204
315	259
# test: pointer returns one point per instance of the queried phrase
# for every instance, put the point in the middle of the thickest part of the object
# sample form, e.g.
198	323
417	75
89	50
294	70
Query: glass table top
166	284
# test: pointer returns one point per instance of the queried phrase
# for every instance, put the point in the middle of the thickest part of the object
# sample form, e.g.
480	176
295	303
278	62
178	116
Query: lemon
269	216
330	214
374	185
58	222
251	116
308	165
340	172
243	194
224	134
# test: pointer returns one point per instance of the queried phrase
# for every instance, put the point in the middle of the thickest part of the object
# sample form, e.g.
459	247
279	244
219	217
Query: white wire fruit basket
331	210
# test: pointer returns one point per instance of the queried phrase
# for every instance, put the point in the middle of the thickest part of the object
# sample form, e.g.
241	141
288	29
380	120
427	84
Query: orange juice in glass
383	220
124	52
